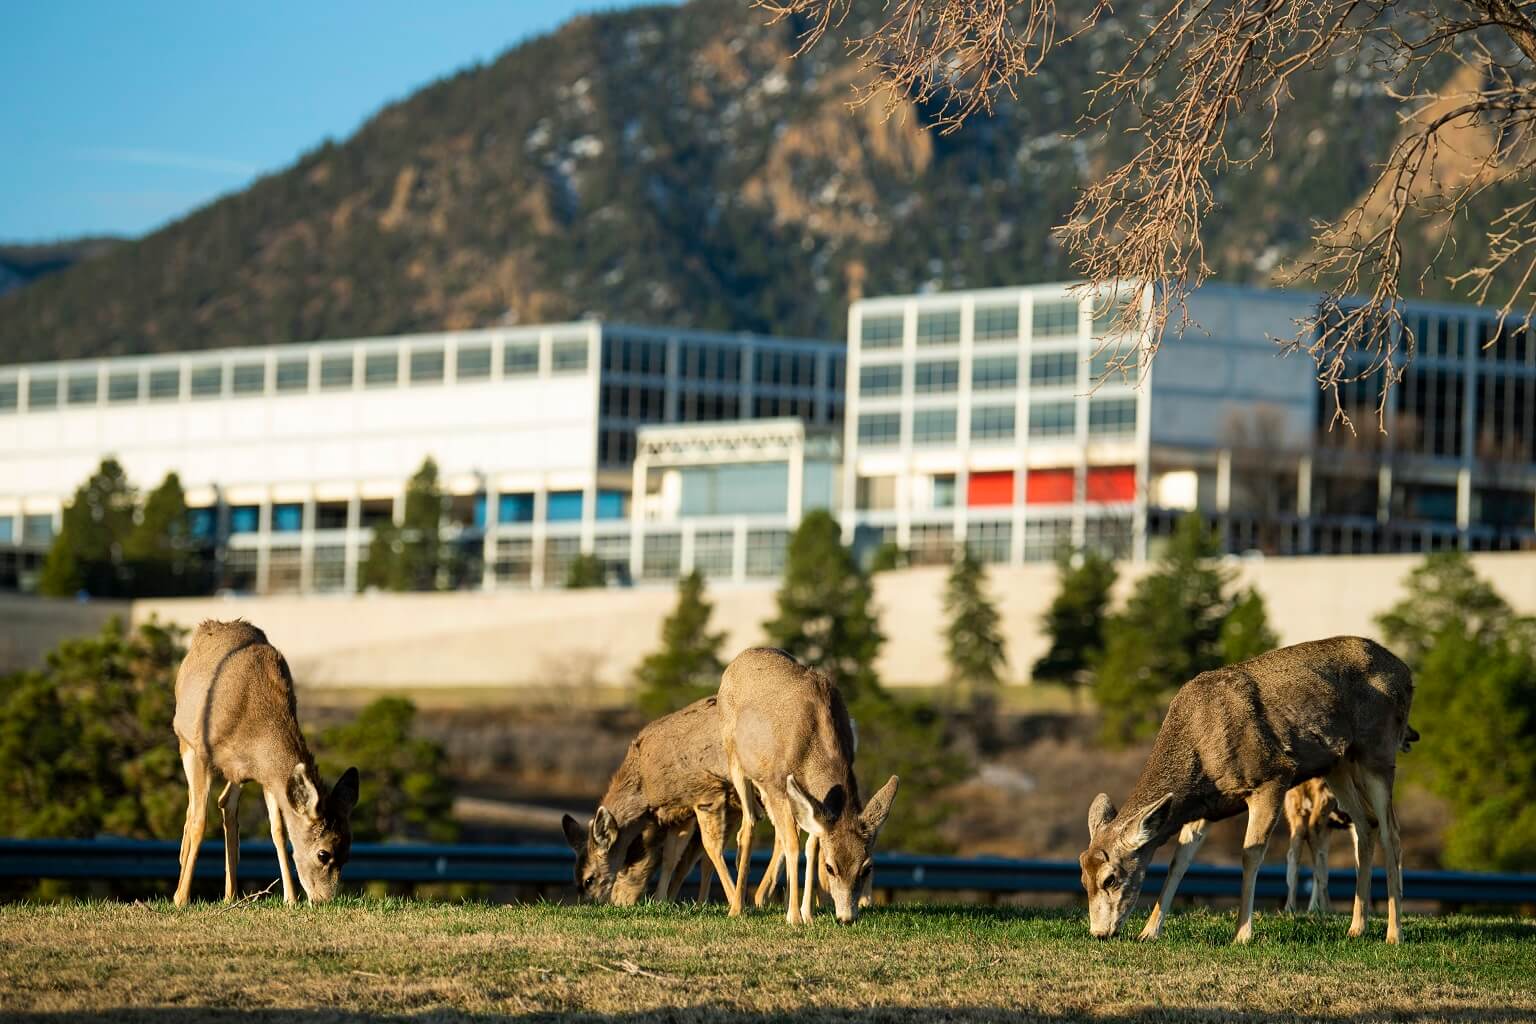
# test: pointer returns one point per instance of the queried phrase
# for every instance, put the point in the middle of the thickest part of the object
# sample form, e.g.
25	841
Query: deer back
785	718
680	758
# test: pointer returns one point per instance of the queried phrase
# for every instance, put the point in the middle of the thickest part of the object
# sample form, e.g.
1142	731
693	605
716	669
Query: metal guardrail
550	866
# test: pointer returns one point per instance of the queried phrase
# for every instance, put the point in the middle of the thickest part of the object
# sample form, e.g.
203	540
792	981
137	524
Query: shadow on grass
718	1015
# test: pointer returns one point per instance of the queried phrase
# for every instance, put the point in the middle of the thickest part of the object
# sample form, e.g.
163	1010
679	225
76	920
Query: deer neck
1163	775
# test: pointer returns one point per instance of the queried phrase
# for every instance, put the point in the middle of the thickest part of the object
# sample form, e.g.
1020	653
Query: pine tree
1076	619
975	647
87	555
407	792
1169	632
409	556
1245	633
585	571
824	615
1442	590
688	664
161	552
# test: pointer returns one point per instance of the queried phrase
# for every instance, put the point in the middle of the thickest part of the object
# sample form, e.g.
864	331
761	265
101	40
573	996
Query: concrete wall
30	627
598	636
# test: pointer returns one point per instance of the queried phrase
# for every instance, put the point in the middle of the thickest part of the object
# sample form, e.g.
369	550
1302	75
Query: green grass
400	960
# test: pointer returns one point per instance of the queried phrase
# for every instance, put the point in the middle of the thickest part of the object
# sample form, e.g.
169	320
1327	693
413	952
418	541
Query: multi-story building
1011	420
290	454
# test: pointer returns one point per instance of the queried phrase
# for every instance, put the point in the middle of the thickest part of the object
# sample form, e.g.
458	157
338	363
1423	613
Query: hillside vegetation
383	960
665	164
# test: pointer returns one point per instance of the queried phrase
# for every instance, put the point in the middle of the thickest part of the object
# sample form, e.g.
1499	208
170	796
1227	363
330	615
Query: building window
9	395
336	372
881	331
1045	538
995	373
1053	419
514	508
610	504
7	530
937	377
244	519
37	528
714	552
520	359
164	385
563	506
765	552
1115	366
568	356
875	492
1108	536
1107	314
996	323
1053	369
944	490
42	392
249	379
885	379
381	369
992	422
288	518
661	556
1111	417
123	387
474	362
1055	318
990	542
514	560
331	515
427	365
933	426
940	327
81	389
880	428
203	522
293	375
206	381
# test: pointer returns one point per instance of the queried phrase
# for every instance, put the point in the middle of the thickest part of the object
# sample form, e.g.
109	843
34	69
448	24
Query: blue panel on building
244	519
514	508
610	504
563	506
752	489
287	518
203	522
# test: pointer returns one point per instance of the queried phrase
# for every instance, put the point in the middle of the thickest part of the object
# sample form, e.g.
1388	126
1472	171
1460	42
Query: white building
290	453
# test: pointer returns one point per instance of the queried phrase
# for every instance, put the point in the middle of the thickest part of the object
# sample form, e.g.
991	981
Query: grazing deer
673	781
787	733
1241	737
236	715
1310	812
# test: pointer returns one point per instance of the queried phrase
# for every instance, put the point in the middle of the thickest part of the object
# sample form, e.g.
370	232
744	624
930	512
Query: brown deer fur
672	781
236	715
787	733
1311	811
1240	737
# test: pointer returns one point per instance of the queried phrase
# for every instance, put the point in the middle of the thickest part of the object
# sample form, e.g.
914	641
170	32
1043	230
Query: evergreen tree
1442	590
688	664
410	556
88	552
161	552
824	616
1169	632
975	647
406	792
1075	621
584	572
1245	632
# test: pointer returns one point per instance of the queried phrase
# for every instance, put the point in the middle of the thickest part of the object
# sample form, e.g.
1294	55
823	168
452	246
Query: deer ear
1152	821
303	795
605	831
344	794
878	809
575	835
1100	813
808	812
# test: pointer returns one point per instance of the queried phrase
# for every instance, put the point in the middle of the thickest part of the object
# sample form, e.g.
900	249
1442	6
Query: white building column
263	543
488	540
540	528
350	567
1304	501
637	491
307	539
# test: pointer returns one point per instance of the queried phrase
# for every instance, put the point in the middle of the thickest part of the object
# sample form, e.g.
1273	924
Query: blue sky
120	116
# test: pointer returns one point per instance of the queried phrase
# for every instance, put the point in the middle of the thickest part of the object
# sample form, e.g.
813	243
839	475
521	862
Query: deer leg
1264	808
712	826
787	835
198	784
692	857
1378	790
1292	869
866	896
1352	803
280	841
229	808
743	840
1319	902
1191	837
770	879
671	853
808	895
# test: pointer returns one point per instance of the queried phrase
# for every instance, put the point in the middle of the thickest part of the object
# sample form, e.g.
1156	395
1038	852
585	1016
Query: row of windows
293	374
1050	318
994	373
1107	417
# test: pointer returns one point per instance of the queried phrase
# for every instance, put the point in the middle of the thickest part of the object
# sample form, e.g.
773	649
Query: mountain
669	165
22	264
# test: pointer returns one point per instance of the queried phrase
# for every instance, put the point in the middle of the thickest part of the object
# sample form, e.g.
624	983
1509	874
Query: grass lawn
387	960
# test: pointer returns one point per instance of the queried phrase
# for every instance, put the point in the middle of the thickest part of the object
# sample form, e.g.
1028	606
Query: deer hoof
1244	935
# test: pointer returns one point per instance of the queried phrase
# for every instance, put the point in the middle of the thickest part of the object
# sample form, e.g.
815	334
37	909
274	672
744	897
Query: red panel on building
1050	487
994	488
1112	483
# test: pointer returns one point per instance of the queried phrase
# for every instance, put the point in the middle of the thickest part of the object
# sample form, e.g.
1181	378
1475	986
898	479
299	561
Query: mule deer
1242	736
236	715
1311	811
673	781
787	733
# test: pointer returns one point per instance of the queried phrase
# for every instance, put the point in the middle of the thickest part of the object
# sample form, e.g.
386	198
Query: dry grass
389	960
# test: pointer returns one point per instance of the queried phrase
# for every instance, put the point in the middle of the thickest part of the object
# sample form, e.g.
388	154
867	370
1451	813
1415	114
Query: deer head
1115	863
320	829
845	838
